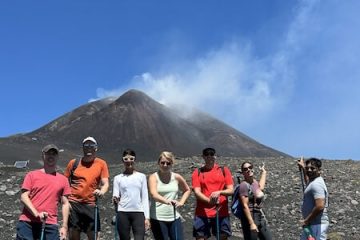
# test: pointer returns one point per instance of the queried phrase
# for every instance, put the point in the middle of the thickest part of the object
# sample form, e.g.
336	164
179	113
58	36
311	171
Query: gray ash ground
283	197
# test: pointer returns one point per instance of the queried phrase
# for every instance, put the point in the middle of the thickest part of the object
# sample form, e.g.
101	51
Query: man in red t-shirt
212	185
89	180
42	191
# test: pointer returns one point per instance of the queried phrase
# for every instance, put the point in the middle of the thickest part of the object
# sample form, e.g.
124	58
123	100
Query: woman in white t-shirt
130	194
164	186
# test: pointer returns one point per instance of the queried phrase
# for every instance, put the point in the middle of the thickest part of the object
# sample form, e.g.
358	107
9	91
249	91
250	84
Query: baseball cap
48	147
91	139
209	151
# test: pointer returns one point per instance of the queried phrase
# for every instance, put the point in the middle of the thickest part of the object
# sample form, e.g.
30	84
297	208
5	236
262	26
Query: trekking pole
217	222
115	222
302	175
96	217
43	225
175	224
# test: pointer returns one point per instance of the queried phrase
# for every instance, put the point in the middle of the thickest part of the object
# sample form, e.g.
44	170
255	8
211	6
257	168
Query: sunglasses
167	163
209	154
245	169
128	159
51	153
89	145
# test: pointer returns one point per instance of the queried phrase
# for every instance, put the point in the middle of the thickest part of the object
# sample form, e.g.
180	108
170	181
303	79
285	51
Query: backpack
74	166
200	170
236	206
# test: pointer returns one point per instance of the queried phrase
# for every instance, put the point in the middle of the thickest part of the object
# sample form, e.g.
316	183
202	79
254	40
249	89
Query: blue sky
286	73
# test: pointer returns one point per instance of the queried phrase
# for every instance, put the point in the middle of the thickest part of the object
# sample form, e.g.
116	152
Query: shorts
203	225
319	231
82	217
30	231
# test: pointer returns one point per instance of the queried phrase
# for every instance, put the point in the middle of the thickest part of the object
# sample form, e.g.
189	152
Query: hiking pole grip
301	174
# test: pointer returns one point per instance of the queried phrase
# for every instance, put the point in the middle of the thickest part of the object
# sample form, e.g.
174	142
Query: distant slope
135	120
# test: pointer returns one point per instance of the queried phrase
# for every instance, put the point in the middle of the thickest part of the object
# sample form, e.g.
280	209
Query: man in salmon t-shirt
41	193
212	185
90	179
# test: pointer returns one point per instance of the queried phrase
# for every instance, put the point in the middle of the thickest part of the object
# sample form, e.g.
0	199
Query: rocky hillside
137	121
283	192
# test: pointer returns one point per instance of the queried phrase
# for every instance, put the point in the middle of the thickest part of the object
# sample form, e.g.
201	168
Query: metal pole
175	224
115	222
96	218
217	223
43	225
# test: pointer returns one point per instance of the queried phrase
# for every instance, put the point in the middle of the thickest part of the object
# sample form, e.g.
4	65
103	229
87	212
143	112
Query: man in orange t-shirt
212	185
89	180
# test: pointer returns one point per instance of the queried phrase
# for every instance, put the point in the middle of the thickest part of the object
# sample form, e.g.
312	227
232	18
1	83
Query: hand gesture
301	163
262	168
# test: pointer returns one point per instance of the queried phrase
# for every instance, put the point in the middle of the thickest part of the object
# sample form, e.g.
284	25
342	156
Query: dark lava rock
283	197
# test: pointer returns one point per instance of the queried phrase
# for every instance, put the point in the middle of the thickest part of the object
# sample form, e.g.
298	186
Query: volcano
134	120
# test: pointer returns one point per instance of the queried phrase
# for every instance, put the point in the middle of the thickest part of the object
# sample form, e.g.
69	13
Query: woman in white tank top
164	186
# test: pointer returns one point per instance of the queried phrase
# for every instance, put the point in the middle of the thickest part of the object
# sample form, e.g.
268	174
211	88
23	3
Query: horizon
283	73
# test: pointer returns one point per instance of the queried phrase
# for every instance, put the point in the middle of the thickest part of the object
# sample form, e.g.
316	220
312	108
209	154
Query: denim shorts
203	227
30	231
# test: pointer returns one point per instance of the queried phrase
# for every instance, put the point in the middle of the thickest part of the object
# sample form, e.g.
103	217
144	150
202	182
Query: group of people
87	178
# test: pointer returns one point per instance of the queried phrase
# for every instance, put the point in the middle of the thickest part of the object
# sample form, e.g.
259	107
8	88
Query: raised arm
301	165
262	180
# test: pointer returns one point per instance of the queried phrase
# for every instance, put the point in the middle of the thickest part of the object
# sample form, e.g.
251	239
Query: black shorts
82	217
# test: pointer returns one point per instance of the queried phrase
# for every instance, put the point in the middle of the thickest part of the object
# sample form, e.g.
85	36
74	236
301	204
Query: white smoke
300	90
230	77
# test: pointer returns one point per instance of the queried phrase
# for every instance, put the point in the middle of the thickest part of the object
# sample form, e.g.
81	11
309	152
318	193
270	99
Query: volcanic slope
134	120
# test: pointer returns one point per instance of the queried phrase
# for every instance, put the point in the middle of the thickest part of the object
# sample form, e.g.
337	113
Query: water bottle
308	233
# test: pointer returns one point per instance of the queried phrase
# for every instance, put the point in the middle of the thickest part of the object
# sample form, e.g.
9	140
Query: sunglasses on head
165	162
128	159
90	145
245	169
